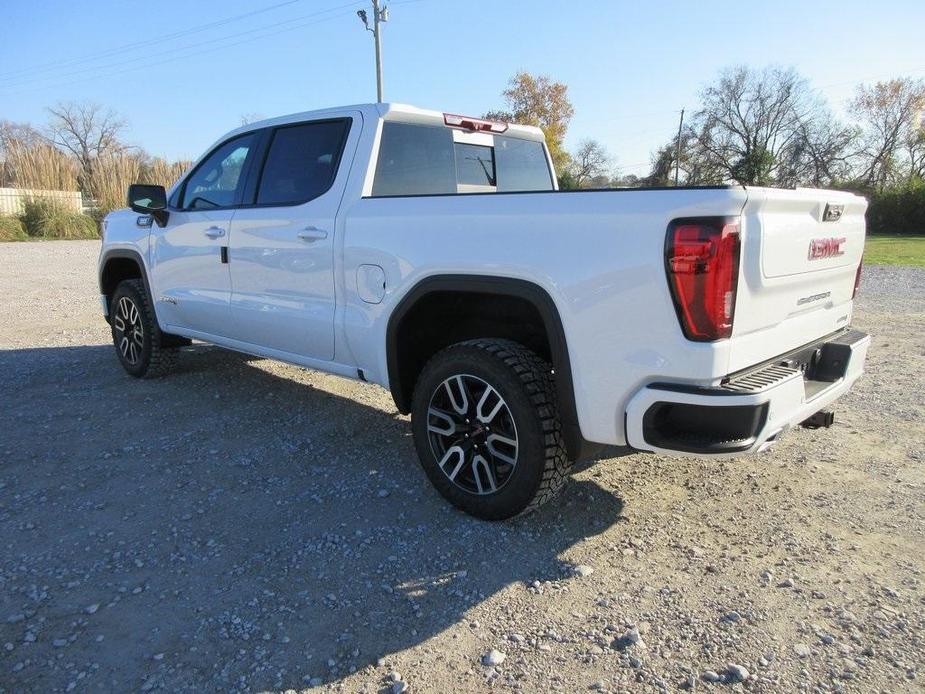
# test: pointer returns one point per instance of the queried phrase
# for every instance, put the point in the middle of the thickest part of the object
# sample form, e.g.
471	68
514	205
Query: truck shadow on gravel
238	525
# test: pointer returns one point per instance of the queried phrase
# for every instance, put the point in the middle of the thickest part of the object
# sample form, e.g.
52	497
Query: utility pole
380	15
677	159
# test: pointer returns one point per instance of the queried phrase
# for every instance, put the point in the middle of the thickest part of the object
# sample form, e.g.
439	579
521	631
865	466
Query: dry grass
163	172
111	178
40	166
114	174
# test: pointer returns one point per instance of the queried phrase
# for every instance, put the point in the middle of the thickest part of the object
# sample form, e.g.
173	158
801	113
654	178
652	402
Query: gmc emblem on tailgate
826	248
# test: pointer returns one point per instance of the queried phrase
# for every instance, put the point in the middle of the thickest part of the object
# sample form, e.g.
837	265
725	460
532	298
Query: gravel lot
244	525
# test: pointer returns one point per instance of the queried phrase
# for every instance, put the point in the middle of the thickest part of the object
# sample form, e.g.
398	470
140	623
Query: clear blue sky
630	66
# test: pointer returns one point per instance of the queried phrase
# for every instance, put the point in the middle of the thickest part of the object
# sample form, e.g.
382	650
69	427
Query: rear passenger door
281	252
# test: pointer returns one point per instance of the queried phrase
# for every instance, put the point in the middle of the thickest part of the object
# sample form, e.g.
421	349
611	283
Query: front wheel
139	342
486	428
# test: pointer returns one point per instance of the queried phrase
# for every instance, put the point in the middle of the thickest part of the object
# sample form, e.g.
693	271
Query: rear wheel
486	428
139	342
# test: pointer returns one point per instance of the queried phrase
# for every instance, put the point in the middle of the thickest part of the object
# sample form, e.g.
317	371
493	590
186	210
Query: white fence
12	199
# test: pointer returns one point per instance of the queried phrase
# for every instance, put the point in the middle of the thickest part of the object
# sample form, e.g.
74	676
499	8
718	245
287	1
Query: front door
191	282
281	252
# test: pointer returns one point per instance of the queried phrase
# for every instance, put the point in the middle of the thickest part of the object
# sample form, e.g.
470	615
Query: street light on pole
380	15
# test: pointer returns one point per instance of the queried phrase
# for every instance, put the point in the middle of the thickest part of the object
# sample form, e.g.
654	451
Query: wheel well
443	318
442	311
117	270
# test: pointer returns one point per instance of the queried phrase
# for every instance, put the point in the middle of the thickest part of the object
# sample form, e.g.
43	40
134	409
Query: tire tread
536	377
161	359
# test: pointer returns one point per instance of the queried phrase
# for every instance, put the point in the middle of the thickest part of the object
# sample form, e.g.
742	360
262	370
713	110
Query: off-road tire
525	383
151	358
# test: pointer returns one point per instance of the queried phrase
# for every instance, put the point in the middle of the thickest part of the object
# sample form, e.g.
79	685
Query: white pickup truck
521	326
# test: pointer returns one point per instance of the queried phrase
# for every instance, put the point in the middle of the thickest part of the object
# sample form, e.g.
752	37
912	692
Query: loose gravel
243	525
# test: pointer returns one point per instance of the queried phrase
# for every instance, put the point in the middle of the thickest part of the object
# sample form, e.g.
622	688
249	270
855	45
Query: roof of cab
387	111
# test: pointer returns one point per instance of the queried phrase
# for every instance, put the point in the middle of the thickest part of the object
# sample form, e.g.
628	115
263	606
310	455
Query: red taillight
857	279
475	124
702	259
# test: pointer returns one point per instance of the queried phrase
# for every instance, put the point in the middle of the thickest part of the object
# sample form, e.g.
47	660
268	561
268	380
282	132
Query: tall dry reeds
164	173
40	166
36	164
113	174
111	177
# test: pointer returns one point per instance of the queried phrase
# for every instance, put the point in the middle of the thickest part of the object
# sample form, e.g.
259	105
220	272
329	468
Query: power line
194	48
636	116
44	67
177	57
188	54
900	74
196	51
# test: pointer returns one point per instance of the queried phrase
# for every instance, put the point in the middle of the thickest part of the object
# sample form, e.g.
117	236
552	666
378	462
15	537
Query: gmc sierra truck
522	327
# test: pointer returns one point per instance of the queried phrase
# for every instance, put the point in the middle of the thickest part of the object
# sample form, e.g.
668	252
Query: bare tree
627	181
758	127
590	161
822	152
663	163
88	132
14	138
18	132
694	166
892	145
915	147
750	119
28	160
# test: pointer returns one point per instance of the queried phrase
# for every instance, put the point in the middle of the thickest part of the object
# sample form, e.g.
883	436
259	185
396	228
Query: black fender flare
126	254
505	286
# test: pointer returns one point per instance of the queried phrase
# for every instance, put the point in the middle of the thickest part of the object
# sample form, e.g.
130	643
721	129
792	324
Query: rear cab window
419	159
301	162
524	165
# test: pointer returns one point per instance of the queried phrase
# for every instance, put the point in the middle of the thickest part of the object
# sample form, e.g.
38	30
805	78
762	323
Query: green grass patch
43	219
883	249
11	229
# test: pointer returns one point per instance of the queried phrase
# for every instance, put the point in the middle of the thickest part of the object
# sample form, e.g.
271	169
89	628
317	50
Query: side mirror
149	199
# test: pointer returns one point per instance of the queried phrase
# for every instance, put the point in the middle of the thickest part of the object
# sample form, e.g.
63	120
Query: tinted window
218	181
521	164
475	165
301	162
415	160
423	159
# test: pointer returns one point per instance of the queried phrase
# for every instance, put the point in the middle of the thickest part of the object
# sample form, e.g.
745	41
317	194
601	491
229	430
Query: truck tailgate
799	260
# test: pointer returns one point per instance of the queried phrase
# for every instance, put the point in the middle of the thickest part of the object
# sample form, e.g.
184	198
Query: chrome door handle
310	234
214	232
